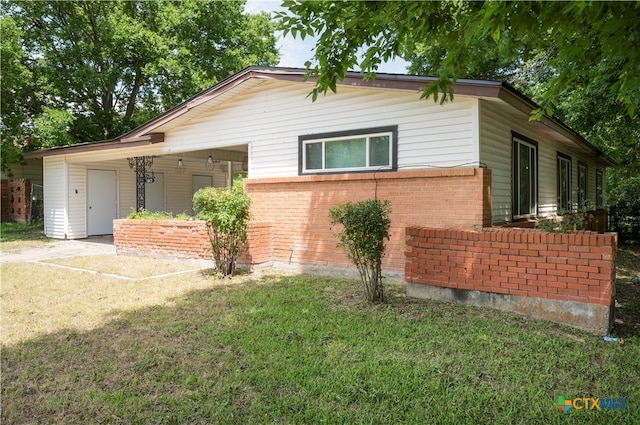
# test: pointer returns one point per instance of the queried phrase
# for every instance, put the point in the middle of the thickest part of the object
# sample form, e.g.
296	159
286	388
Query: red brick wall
162	238
577	267
259	249
19	198
184	239
299	207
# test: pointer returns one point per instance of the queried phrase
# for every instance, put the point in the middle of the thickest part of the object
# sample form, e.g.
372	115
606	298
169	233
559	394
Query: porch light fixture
180	166
210	163
150	177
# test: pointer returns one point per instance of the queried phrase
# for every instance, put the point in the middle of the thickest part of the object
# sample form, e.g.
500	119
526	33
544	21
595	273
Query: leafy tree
14	97
581	35
115	64
365	226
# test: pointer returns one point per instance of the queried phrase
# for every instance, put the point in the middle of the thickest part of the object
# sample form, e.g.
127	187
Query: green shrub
565	222
159	215
365	226
226	211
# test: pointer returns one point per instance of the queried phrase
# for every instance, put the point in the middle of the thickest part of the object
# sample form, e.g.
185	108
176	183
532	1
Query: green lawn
21	235
171	344
300	349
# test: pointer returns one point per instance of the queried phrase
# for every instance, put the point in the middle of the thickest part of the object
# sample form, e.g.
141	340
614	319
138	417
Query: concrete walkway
97	245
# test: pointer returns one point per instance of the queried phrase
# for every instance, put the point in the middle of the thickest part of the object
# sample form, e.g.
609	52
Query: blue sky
295	52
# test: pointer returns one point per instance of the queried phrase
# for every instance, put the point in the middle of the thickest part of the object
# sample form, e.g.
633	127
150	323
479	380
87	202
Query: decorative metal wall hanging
141	165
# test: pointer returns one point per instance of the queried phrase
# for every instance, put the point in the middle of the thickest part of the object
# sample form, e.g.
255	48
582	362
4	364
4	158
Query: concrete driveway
97	245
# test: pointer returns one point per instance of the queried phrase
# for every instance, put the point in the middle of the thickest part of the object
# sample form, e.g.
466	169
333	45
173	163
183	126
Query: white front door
154	194
102	201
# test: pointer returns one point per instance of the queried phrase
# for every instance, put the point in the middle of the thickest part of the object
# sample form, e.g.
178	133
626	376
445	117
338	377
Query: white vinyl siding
55	205
77	227
272	116
495	152
496	130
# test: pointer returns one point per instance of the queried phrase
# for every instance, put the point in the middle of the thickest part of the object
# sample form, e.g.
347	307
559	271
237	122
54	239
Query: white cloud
294	52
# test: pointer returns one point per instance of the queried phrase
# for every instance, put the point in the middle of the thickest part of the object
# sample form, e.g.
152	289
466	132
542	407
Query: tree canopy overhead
577	35
91	70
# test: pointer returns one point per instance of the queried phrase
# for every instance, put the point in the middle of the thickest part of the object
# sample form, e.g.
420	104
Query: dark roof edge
145	140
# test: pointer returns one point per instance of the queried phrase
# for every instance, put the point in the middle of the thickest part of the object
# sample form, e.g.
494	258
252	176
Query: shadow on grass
292	349
627	310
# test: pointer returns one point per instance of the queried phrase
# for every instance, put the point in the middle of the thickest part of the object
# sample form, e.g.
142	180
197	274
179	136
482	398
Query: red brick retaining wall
162	238
185	239
574	267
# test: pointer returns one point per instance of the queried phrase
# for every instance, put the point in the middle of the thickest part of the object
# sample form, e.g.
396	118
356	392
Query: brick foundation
568	278
298	207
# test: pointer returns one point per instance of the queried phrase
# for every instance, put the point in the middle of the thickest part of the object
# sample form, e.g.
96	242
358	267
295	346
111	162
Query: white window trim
600	189
583	185
568	207
533	146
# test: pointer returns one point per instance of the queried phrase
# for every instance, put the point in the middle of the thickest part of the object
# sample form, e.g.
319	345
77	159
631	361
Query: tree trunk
131	104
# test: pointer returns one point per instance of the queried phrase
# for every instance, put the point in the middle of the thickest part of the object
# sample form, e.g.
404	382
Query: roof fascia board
418	84
150	139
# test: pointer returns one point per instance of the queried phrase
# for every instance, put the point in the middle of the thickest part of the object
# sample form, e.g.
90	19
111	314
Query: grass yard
48	297
115	347
15	236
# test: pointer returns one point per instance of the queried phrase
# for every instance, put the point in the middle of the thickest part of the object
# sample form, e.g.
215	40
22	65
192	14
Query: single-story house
475	161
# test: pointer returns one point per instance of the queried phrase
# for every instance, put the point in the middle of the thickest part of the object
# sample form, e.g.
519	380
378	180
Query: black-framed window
370	149
564	183
599	189
583	178
525	176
